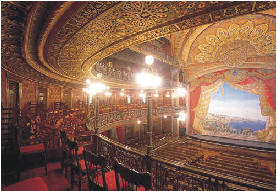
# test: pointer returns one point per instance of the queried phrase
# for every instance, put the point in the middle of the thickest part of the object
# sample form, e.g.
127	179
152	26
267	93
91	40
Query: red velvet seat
80	151
126	178
32	184
28	149
110	180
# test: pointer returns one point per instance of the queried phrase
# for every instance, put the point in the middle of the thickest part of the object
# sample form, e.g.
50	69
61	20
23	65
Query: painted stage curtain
257	81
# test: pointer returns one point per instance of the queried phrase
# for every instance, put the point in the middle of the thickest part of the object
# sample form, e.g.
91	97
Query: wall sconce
181	92
156	94
182	116
143	96
108	94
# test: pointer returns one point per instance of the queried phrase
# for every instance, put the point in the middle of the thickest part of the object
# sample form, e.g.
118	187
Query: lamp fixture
182	116
108	94
143	96
88	81
181	92
95	87
149	60
138	122
156	94
148	79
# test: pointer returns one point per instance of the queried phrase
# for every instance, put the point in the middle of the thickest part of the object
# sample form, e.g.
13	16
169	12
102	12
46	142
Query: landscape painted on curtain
234	113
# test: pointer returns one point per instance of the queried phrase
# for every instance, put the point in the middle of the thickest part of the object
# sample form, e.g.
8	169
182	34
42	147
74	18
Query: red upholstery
80	151
142	189
110	180
32	148
83	165
32	184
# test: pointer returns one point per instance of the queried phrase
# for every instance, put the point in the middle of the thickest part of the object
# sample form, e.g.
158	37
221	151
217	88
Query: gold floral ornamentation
235	44
144	13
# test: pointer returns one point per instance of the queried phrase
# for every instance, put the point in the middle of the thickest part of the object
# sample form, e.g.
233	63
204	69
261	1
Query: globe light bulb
182	116
149	60
88	81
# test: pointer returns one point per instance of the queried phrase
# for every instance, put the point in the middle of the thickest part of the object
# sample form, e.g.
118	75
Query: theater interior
138	95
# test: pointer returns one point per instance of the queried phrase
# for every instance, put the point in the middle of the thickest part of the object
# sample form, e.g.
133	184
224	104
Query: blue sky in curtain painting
236	103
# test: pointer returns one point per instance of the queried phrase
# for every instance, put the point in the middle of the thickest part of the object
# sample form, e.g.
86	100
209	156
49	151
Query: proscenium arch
257	87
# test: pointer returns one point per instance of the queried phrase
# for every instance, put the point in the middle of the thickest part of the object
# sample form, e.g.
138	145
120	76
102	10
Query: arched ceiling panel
79	34
242	42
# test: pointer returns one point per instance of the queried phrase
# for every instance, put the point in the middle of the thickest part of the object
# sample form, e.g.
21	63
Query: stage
236	142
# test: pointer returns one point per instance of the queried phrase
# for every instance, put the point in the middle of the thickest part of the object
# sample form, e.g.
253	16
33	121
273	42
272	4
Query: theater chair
129	179
29	151
98	179
78	167
67	158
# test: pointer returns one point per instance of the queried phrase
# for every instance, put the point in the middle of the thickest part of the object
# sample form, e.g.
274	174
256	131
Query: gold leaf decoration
235	44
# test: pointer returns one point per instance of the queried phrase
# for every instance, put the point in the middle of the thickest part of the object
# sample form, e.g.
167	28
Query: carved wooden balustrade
121	75
106	120
111	72
168	175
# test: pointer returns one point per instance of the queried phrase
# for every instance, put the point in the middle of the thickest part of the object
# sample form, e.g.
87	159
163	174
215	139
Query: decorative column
87	109
187	101
96	119
96	114
149	122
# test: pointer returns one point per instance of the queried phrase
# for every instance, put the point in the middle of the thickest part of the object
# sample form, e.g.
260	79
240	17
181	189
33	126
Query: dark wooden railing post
96	128
149	123
149	131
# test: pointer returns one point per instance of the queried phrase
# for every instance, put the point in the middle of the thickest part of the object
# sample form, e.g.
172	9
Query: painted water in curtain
235	114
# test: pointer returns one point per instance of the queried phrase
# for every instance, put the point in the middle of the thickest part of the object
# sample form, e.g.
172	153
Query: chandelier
148	79
94	88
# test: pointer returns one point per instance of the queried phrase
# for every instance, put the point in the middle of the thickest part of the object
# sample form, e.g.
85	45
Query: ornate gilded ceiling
242	42
63	40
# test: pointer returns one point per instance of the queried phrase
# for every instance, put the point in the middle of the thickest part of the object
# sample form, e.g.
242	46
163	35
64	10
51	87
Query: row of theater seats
221	159
143	140
177	152
86	164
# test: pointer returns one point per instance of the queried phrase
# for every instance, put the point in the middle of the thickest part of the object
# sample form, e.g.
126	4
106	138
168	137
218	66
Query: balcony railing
114	73
168	175
122	75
